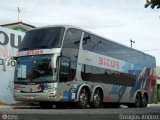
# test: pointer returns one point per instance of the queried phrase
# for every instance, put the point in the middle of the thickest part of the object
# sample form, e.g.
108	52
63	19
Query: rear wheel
97	99
144	101
83	98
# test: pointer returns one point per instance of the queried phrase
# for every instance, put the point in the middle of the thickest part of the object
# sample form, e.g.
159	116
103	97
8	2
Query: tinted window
90	42
101	75
64	69
106	47
42	38
72	38
70	49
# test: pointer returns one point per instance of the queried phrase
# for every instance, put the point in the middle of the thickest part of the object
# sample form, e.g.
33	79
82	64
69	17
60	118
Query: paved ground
152	112
23	106
81	114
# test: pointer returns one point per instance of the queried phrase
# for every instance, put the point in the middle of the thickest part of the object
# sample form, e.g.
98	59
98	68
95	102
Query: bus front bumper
35	97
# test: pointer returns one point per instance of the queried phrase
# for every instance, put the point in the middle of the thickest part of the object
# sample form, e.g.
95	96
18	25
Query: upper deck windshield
44	38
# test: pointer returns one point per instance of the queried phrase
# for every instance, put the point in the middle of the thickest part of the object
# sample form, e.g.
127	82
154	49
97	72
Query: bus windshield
44	38
35	69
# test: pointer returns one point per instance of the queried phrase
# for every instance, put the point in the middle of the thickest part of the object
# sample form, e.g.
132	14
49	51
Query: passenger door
68	64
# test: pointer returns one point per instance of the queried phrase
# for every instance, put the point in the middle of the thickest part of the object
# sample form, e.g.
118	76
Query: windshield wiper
43	46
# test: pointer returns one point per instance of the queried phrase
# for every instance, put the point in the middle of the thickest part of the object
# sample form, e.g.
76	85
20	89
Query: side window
88	42
70	49
101	75
64	69
93	43
72	38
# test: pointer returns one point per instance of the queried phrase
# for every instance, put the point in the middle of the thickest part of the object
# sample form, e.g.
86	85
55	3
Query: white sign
9	43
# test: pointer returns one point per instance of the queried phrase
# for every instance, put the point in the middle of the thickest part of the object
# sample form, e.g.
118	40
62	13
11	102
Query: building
18	26
9	32
158	83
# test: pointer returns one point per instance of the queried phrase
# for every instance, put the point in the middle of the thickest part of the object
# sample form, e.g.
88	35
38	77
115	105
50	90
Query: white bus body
65	64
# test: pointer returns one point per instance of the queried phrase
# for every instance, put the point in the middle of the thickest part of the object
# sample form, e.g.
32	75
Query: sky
118	20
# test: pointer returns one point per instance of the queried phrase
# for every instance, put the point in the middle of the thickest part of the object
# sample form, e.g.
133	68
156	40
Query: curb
19	105
153	105
26	107
5	106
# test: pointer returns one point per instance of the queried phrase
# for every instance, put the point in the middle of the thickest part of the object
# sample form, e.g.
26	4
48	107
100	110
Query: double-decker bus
65	64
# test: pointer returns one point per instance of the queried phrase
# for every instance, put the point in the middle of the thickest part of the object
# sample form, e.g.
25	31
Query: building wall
158	83
158	74
8	48
20	29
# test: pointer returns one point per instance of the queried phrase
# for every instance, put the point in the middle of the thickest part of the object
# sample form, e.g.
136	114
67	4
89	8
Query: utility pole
132	42
18	13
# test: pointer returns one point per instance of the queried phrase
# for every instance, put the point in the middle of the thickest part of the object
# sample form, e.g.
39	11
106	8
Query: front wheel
144	101
83	98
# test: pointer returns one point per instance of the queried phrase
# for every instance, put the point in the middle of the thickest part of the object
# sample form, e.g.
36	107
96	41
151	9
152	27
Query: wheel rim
138	101
97	99
83	98
144	101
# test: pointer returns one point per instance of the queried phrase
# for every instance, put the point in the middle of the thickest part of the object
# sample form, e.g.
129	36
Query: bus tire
83	98
138	101
46	105
144	100
97	99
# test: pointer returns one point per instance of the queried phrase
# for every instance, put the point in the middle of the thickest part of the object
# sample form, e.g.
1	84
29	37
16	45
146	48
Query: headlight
17	90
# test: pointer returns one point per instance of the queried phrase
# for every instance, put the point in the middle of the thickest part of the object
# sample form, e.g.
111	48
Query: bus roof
72	26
